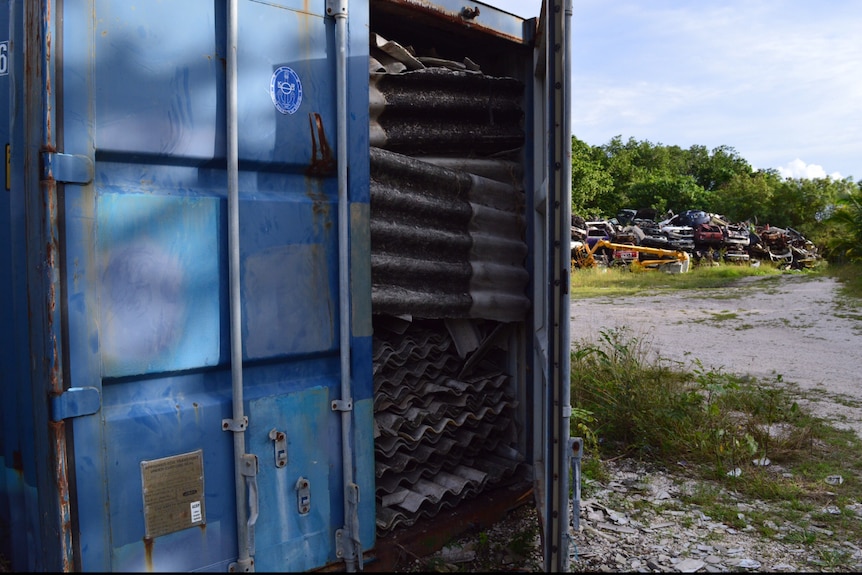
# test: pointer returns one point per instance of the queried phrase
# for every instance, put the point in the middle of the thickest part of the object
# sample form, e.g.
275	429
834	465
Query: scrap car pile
639	238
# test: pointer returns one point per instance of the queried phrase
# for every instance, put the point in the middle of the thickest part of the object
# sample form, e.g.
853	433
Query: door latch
279	440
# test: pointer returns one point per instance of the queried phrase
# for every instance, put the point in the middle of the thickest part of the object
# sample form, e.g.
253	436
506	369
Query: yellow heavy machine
636	257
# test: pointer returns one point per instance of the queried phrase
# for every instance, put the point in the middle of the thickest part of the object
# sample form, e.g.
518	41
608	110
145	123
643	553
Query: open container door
551	222
470	199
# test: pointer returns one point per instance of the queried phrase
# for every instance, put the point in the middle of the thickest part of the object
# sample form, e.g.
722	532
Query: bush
634	405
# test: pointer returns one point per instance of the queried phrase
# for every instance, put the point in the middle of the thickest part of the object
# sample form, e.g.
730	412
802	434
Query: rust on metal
58	436
39	80
464	18
148	553
468	13
324	164
320	208
393	550
47	71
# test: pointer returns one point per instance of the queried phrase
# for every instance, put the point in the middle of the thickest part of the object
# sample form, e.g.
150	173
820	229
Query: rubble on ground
638	520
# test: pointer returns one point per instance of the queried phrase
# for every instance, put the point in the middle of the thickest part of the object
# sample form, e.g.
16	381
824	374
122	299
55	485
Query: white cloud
774	79
797	169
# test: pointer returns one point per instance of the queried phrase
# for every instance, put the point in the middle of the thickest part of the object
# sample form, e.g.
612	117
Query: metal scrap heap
704	236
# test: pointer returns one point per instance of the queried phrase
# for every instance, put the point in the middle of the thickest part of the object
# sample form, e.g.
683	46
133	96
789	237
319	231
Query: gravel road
793	326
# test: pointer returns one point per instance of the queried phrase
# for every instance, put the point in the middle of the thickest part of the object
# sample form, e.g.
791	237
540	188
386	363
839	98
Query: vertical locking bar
337	9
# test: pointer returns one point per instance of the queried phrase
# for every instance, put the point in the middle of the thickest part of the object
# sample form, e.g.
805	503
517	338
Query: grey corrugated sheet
438	110
445	243
439	438
447	206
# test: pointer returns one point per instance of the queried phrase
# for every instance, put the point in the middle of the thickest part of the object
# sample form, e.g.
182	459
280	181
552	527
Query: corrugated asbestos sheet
444	243
448	256
447	214
440	110
440	436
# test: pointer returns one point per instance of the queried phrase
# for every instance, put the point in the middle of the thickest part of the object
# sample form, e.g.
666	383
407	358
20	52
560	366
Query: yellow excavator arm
670	260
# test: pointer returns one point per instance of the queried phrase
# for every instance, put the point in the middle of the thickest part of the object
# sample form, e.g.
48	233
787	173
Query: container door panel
551	231
159	272
148	325
294	530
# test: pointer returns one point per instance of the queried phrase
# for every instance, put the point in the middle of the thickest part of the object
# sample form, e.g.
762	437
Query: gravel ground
792	328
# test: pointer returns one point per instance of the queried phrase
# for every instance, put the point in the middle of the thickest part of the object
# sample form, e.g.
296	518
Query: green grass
850	276
628	405
718	316
620	281
849	304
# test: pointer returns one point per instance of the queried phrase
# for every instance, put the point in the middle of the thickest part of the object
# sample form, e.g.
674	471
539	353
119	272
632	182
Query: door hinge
67	168
75	402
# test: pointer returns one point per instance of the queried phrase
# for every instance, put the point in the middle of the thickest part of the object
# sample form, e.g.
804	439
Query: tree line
640	174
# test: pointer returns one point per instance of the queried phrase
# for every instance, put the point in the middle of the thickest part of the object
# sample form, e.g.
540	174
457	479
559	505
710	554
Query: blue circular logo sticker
285	88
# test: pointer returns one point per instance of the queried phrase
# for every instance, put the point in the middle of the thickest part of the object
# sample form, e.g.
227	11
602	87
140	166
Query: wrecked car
599	230
708	235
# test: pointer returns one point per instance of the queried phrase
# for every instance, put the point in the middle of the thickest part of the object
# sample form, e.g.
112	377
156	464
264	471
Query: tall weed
638	404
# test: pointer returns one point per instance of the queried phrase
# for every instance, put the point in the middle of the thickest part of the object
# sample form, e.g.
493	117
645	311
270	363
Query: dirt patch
790	328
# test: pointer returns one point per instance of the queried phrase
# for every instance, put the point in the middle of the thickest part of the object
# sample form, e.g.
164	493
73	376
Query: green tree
666	191
801	203
714	171
590	180
845	223
745	197
646	175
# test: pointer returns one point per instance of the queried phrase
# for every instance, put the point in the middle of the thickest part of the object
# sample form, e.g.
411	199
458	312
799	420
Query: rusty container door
122	455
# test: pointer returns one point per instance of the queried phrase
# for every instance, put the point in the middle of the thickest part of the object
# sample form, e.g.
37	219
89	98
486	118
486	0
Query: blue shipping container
281	279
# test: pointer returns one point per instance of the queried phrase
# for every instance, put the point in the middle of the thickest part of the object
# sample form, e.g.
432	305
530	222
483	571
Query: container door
551	224
35	472
141	104
32	509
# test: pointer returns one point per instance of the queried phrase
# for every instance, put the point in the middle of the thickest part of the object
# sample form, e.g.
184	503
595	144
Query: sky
779	81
